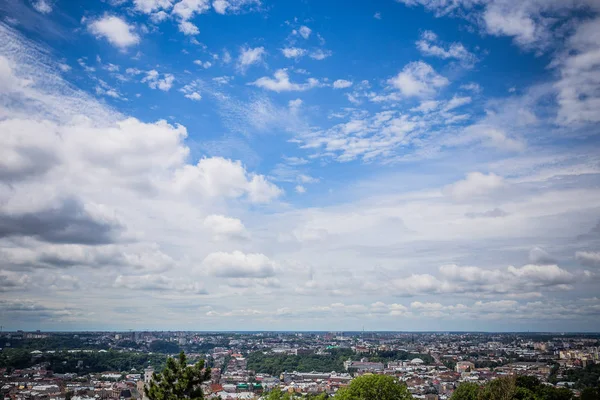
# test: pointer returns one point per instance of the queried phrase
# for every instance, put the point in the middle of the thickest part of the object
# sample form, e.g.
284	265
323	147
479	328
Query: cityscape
300	199
249	365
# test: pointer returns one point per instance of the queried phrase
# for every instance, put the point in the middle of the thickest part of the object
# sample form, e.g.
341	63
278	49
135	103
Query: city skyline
250	165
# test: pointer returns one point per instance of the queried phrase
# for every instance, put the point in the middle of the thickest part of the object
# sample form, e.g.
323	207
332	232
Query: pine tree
178	381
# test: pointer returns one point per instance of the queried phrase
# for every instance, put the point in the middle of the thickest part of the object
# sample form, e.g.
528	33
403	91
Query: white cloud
220	6
377	15
543	274
578	87
476	184
320	54
295	104
341	84
250	56
193	96
293	52
223	227
239	265
186	9
473	87
154	81
203	64
430	46
300	189
426	106
159	17
150	6
304	31
233	6
487	135
114	29
220	177
456	102
43	6
187	28
281	83
223	80
418	79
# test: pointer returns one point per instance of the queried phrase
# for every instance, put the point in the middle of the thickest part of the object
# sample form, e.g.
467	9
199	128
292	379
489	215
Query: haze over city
196	165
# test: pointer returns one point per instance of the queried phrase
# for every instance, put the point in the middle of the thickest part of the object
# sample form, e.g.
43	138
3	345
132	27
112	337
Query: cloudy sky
301	164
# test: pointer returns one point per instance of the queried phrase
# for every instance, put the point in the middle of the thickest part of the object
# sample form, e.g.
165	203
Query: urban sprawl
247	365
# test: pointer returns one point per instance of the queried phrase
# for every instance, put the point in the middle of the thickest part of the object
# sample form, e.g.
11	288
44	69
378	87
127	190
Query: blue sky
245	164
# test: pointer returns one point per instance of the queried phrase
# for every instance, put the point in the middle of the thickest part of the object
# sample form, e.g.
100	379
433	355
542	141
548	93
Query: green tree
500	389
466	391
374	387
178	380
590	394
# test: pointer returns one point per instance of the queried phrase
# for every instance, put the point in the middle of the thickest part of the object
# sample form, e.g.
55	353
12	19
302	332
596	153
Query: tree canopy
374	387
178	380
511	388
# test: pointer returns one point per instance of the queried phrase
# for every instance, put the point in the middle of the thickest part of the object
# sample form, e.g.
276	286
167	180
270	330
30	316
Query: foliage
277	394
511	388
275	364
374	387
162	346
54	342
590	394
467	391
584	377
178	380
392	355
65	362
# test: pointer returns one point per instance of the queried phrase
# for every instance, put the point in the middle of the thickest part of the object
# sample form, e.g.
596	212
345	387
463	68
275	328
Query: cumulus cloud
539	256
320	54
281	83
66	222
154	80
476	184
42	6
114	29
239	265
224	227
578	87
455	279
186	9
220	177
250	56
418	79
293	52
81	180
150	6
341	84
588	258
234	6
187	28
304	31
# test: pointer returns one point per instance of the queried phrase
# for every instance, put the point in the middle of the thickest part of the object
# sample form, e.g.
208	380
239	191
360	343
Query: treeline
55	342
392	355
366	387
519	388
583	377
275	364
65	362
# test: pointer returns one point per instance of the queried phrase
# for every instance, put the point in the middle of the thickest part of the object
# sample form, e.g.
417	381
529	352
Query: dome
416	361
